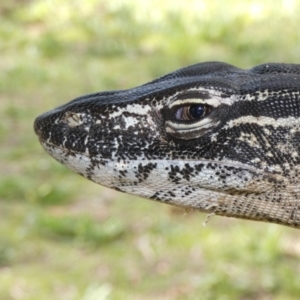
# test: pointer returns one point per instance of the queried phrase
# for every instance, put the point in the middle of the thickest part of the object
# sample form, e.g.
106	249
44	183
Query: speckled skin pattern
210	137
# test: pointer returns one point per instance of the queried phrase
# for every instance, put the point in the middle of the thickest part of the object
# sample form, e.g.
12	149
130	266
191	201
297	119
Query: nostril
73	119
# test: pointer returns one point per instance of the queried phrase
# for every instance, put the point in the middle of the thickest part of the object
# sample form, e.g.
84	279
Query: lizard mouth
105	171
47	145
54	149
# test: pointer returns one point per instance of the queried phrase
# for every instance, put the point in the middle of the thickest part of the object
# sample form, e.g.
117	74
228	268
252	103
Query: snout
44	123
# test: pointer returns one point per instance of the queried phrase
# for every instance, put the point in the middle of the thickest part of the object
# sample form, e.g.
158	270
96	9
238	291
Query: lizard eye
189	115
190	112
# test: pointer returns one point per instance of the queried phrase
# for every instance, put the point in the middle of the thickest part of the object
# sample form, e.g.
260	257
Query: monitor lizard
210	137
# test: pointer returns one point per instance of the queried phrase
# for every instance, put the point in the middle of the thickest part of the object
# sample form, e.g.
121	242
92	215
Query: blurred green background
62	237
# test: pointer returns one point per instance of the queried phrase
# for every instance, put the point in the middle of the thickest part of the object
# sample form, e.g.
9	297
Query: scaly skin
210	137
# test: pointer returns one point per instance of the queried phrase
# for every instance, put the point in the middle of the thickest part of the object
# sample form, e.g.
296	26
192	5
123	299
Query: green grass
62	237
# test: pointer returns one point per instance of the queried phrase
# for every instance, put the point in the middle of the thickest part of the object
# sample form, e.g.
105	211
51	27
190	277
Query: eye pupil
196	111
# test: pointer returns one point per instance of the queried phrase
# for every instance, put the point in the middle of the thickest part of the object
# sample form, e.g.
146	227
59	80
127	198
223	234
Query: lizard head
211	137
